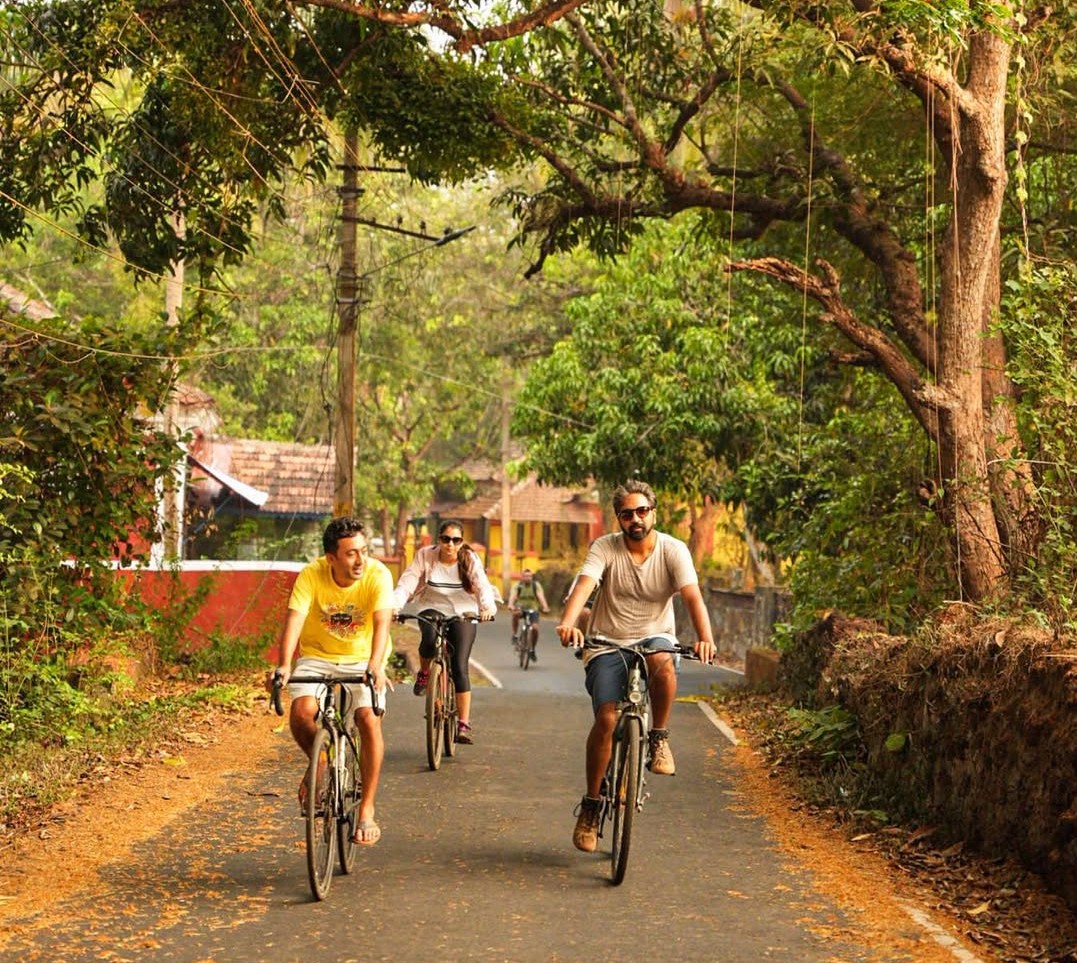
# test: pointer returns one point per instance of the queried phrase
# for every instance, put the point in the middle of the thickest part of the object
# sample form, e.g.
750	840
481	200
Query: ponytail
463	566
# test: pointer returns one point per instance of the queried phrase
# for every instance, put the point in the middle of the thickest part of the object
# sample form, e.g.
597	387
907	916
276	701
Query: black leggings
461	637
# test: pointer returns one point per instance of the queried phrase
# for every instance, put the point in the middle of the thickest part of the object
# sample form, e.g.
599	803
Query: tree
655	382
75	398
878	136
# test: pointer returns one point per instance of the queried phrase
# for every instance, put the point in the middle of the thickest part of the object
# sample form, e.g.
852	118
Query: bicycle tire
522	650
321	817
351	793
627	749
435	716
532	642
451	713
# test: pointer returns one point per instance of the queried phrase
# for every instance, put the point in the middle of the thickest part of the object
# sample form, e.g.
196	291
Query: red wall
245	600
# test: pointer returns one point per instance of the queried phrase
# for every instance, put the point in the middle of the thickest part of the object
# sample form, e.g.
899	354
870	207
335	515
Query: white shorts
358	694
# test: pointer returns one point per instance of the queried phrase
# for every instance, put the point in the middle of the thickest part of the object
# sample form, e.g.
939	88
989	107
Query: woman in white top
448	578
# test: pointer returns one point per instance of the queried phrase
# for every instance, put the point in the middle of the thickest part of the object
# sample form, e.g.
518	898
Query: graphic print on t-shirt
343	621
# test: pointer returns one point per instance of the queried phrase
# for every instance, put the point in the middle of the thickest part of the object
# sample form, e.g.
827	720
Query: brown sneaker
661	755
585	835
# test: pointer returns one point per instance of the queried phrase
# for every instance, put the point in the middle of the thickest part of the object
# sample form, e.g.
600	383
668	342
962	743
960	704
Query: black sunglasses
642	511
455	539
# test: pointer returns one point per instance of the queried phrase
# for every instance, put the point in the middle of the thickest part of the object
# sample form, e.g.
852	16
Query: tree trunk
968	277
388	545
701	530
402	530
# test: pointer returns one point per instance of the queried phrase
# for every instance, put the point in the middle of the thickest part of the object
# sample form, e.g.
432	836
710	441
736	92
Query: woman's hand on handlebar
487	615
706	651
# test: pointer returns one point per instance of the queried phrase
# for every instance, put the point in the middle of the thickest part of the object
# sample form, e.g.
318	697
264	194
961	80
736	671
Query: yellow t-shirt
339	624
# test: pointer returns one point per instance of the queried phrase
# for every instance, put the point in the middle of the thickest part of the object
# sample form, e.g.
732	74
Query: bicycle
526	636
442	715
623	785
331	809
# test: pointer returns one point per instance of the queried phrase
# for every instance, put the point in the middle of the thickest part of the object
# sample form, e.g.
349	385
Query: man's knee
605	717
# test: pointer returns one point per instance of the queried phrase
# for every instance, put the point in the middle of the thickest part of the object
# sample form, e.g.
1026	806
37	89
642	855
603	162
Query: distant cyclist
526	594
639	570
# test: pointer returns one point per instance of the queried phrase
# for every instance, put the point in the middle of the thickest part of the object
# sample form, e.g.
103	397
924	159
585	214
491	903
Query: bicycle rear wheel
435	715
627	752
451	714
352	793
321	816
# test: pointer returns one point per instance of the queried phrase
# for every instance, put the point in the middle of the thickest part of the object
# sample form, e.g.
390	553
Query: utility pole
347	306
172	495
507	541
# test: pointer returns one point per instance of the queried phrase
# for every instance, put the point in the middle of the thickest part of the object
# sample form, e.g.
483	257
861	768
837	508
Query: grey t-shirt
636	600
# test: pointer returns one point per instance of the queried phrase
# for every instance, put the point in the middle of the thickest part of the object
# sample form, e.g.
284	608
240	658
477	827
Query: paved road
476	861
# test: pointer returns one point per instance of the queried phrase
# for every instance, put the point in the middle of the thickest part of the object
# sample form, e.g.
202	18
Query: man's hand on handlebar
570	636
280	673
378	678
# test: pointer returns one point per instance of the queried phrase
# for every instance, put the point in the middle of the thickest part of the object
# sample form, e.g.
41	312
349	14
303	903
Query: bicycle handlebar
435	620
601	642
362	679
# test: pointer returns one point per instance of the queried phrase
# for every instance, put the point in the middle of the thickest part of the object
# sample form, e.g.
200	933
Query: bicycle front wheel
352	792
321	816
435	715
627	754
451	714
522	649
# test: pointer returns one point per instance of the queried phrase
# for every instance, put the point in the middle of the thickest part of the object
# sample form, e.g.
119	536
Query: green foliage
669	376
1038	316
76	400
207	115
223	655
832	734
841	505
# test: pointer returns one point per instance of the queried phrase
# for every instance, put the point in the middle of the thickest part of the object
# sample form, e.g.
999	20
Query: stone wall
739	620
972	727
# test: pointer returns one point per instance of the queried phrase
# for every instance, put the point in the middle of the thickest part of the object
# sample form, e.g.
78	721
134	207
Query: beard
637	531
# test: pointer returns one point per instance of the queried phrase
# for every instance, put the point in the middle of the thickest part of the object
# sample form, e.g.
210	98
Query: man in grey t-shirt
640	570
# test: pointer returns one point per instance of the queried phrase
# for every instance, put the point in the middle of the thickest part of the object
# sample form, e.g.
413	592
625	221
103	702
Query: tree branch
825	290
464	37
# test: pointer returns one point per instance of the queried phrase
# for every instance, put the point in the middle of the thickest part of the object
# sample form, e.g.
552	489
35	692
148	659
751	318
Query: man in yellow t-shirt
338	619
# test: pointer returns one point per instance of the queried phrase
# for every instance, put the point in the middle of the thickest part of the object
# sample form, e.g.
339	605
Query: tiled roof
530	502
17	302
300	479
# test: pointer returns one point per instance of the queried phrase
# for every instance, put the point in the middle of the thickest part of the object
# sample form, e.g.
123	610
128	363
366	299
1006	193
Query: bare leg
463	706
662	683
599	746
302	720
371	752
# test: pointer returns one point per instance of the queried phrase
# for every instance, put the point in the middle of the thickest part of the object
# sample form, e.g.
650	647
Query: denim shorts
607	672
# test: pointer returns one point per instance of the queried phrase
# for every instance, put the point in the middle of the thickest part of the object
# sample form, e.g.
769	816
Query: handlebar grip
274	696
375	704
